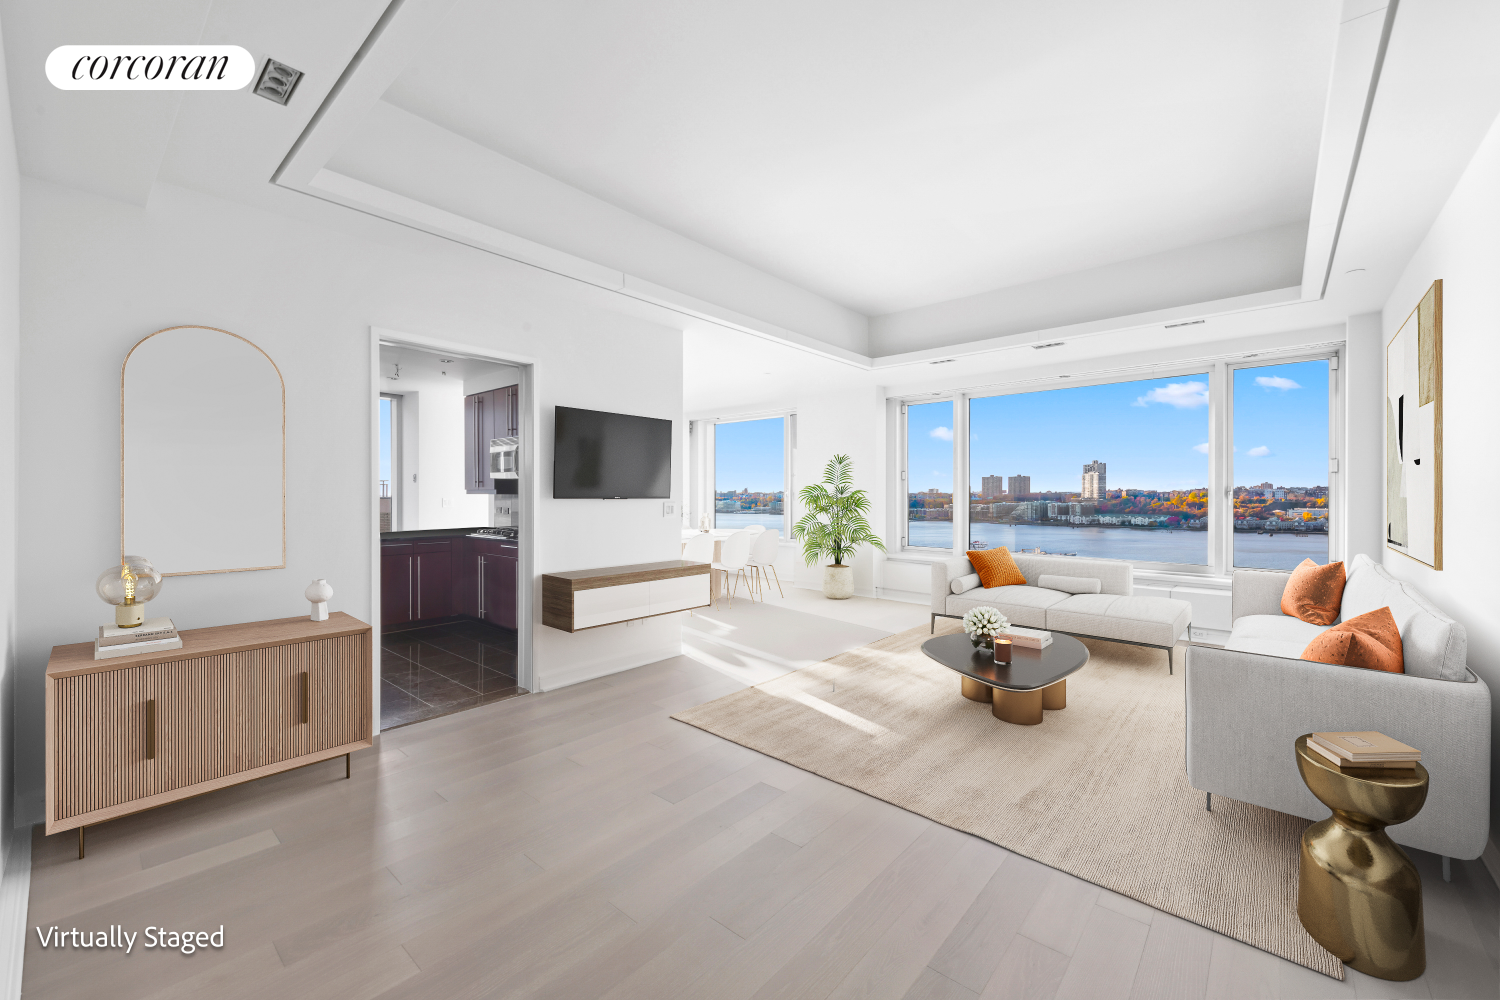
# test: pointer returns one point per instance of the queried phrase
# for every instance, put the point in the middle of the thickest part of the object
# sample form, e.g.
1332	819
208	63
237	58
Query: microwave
505	465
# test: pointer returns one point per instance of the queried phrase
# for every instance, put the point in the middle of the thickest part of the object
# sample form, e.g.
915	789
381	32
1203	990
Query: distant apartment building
1093	481
1019	485
992	486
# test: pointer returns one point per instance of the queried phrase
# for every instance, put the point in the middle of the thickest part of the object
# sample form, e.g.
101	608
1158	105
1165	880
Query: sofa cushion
996	568
1024	606
1157	621
1272	635
1070	584
1432	644
1313	593
965	583
1370	640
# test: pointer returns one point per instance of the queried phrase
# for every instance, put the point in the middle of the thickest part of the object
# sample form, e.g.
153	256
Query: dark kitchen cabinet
433	580
487	415
395	585
416	582
465	578
493	565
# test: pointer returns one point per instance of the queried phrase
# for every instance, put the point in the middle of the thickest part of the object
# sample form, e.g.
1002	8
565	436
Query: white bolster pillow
963	583
1069	584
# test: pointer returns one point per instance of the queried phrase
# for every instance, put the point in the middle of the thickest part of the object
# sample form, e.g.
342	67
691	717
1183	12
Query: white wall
432	449
307	287
10	411
1463	249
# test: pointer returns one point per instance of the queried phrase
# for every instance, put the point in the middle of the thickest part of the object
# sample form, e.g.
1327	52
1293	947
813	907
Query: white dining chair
734	557
763	558
700	549
755	529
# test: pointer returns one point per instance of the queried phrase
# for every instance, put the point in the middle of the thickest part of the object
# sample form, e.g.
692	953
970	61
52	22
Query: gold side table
1358	894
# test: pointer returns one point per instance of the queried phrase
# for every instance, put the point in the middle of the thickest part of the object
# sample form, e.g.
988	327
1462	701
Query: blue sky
1151	433
385	440
748	455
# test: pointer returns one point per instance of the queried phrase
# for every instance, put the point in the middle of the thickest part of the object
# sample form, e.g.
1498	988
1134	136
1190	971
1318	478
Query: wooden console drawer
591	598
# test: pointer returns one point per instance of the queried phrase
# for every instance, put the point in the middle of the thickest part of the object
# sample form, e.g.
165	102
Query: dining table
719	534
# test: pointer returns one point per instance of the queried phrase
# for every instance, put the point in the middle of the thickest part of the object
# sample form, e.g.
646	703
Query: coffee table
1017	691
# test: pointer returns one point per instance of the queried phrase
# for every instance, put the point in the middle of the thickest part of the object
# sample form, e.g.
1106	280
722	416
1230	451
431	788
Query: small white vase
838	582
318	592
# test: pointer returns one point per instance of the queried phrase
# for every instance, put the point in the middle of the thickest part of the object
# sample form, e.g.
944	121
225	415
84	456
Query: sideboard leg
80	843
346	767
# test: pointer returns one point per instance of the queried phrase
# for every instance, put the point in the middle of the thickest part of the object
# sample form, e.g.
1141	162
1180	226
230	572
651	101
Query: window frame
707	446
1220	543
398	509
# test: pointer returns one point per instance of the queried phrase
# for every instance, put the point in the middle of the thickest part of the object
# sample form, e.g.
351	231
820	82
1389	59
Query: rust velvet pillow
996	568
1314	592
1371	640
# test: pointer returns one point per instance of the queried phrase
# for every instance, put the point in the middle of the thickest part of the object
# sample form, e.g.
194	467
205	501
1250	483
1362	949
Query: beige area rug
1098	790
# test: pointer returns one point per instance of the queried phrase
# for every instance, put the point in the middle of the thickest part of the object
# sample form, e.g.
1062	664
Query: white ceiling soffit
358	151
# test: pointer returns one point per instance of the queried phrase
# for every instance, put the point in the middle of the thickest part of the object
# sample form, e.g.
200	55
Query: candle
1002	650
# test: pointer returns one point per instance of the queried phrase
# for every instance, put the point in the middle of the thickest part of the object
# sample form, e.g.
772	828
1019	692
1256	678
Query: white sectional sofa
1108	613
1248	702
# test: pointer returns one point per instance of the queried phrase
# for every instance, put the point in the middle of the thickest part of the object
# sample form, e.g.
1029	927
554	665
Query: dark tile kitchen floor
440	669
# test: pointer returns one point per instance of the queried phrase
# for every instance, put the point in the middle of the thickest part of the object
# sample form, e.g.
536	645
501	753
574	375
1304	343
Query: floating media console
589	598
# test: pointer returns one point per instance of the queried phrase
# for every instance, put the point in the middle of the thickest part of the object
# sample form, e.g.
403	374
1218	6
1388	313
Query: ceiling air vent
1043	347
1191	322
277	81
945	361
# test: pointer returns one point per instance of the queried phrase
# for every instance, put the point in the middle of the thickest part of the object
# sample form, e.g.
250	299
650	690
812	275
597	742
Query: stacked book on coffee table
151	636
1364	750
1032	638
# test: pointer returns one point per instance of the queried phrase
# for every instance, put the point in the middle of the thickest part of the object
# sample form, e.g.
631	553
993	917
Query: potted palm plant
834	526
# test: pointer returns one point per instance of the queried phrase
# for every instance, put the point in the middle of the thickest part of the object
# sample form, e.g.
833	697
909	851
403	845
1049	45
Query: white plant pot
838	582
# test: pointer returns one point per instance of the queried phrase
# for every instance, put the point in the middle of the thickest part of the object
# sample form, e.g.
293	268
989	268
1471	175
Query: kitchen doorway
452	483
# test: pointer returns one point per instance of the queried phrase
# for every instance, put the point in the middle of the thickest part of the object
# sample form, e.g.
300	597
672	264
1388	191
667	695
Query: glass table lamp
128	587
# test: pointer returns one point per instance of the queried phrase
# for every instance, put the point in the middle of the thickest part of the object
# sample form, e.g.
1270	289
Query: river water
1278	551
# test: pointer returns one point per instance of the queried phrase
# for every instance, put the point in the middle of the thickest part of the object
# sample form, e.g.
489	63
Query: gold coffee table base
1021	708
1358	894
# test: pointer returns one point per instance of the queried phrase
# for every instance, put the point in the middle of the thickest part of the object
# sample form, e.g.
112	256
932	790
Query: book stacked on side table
1031	638
1365	750
151	636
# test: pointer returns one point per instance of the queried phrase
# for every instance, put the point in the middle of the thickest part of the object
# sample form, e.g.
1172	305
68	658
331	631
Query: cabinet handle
303	686
408	588
151	729
418	561
480	570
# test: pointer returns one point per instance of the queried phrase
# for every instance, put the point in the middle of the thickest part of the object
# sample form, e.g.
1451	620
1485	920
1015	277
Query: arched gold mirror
202	453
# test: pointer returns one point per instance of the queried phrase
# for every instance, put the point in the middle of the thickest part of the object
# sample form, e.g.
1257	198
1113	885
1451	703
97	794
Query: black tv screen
610	456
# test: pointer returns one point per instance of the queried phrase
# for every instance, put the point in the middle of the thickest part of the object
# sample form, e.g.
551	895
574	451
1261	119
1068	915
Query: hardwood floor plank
1061	912
931	985
1026	971
1105	959
1174	964
974	948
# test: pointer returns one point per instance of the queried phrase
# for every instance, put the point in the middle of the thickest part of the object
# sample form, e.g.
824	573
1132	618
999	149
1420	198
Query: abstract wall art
1414	433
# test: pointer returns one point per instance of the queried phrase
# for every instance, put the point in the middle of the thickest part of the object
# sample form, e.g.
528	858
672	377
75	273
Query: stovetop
506	532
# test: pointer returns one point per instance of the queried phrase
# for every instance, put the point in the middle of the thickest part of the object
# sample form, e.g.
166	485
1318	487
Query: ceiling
887	156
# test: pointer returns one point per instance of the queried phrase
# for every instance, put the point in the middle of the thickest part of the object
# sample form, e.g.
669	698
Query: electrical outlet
669	508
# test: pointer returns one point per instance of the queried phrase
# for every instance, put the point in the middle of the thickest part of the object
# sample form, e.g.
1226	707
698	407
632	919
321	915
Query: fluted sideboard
235	703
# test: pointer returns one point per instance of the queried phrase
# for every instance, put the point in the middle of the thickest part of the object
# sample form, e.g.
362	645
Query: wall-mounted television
610	456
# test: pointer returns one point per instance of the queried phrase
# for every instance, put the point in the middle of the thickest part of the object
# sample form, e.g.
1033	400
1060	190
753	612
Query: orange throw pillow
1314	593
996	568
1371	640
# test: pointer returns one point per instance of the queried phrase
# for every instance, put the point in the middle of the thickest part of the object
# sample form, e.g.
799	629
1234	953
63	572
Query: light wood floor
580	844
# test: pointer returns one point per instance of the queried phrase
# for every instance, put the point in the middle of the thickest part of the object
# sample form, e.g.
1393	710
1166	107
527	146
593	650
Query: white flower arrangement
984	623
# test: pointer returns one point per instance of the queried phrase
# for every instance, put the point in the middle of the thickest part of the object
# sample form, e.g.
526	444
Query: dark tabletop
1029	669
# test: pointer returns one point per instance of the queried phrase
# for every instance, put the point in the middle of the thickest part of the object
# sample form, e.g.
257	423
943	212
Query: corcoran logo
150	67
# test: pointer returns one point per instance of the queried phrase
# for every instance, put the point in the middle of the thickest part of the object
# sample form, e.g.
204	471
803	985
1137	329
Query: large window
1281	464
929	464
750	474
390	432
1117	471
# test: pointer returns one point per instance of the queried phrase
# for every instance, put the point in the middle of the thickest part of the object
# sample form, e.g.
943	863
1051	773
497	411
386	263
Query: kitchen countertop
397	536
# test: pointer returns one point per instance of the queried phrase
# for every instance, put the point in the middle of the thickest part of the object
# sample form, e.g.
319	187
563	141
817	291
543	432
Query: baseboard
554	678
15	895
1491	859
904	596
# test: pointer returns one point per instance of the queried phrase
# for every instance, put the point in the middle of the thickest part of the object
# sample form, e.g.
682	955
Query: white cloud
1201	449
1183	395
1259	451
1275	382
942	433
